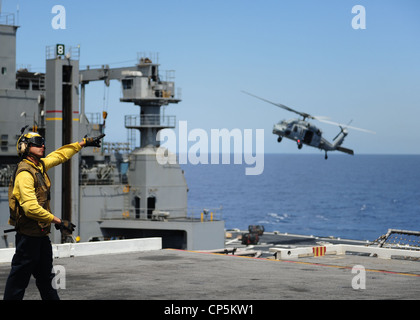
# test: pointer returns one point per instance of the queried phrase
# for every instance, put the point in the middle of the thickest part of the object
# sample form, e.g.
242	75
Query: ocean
351	197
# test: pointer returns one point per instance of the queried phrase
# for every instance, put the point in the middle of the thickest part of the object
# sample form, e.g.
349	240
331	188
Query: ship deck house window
127	83
4	142
151	205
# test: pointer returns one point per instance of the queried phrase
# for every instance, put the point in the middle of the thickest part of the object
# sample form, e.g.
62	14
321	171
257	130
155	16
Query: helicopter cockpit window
295	129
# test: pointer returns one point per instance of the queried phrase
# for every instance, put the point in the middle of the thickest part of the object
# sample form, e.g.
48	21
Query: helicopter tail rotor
343	131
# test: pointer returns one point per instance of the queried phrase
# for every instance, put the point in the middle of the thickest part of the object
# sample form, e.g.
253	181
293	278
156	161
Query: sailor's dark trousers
33	256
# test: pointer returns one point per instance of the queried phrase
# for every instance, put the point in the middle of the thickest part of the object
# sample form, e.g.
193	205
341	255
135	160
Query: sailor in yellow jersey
30	214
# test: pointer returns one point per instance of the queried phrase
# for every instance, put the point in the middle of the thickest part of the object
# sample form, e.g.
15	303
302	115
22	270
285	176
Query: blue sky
304	54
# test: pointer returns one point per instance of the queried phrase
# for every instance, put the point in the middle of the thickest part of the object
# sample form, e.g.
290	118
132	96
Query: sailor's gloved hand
66	226
93	142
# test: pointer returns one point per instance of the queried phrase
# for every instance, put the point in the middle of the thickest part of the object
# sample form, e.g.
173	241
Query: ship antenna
17	13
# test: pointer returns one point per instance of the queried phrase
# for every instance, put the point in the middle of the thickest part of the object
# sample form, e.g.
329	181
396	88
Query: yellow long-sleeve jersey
24	190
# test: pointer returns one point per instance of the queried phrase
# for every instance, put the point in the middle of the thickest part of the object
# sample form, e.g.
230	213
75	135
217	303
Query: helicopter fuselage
300	131
304	132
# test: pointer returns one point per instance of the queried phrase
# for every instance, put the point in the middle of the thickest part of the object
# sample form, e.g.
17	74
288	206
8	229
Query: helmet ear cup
22	147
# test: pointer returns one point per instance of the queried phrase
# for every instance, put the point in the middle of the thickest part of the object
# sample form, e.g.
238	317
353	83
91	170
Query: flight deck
173	274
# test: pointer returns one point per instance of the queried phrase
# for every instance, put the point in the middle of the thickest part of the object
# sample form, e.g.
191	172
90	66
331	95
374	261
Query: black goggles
37	141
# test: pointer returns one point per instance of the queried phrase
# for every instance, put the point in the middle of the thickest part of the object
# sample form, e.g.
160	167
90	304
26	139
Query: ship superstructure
116	191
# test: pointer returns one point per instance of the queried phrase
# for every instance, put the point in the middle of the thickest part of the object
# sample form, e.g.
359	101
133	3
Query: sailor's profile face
37	150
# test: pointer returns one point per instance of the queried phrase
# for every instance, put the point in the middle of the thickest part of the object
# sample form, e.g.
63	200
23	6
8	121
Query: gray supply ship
118	191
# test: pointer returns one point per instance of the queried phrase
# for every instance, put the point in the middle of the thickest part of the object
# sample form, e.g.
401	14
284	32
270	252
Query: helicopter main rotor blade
320	118
345	126
307	115
303	114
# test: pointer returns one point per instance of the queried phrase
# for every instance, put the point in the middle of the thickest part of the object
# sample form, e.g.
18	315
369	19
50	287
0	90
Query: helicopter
304	132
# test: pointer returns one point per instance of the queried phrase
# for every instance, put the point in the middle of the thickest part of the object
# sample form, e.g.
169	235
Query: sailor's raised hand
93	142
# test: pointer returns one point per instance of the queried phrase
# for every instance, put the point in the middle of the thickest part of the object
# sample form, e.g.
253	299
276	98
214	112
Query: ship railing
104	176
7	18
141	213
30	83
205	214
148	57
401	239
93	117
6	174
124	214
150	120
72	52
166	214
110	147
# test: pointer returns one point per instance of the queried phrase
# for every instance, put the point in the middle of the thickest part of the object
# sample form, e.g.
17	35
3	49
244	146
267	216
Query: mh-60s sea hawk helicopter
304	132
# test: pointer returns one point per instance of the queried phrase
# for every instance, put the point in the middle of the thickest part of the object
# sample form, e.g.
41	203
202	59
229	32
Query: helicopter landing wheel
279	139
326	156
299	146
